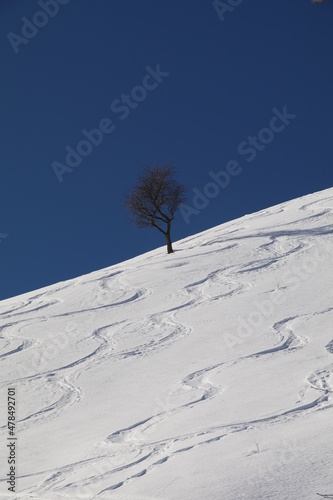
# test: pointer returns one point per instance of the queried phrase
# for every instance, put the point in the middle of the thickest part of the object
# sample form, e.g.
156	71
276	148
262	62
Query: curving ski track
132	452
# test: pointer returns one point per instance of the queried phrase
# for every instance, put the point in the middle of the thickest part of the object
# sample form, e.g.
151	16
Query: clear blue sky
220	81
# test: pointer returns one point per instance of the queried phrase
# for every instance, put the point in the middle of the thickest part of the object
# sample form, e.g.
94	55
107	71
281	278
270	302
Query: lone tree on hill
155	198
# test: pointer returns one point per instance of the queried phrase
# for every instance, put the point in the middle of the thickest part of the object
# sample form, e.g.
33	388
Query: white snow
205	374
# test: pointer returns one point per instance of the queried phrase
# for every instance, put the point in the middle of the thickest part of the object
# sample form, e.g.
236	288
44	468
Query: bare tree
155	198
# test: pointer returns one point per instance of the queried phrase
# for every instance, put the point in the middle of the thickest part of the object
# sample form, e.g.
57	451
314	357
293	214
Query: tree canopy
155	198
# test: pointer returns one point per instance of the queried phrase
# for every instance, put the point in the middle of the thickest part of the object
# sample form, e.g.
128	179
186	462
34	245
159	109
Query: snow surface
205	374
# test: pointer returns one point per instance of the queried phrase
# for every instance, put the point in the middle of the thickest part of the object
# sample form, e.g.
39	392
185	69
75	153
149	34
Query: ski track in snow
61	378
319	380
153	454
165	330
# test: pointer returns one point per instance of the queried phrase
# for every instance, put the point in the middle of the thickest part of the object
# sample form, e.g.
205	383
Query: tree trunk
168	238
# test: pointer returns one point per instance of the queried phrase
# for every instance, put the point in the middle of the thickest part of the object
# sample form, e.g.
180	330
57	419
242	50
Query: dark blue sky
220	81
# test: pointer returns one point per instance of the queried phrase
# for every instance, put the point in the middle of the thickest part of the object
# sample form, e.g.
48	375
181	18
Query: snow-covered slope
205	374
